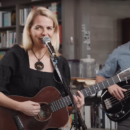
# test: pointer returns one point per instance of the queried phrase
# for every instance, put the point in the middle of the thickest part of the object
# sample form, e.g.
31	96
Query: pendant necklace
38	65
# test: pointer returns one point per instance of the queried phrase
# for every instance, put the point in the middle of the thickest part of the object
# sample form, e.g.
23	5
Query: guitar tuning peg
126	80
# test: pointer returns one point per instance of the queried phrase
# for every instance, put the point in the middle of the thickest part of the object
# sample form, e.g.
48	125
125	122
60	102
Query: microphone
47	41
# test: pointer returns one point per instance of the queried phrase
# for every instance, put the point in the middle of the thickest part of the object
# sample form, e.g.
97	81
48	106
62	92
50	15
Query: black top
16	78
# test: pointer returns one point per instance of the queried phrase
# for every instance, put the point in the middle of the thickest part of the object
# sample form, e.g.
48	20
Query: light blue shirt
118	60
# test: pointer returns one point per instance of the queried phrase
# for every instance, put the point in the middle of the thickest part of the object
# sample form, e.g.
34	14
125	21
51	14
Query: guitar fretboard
65	101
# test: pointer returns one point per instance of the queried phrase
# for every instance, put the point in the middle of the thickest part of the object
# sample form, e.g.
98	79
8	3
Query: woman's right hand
29	108
116	91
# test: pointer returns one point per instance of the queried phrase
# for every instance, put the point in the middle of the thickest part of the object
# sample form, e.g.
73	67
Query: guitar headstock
124	75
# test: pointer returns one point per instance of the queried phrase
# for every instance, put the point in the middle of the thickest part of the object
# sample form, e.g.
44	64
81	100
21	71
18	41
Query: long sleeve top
16	78
119	60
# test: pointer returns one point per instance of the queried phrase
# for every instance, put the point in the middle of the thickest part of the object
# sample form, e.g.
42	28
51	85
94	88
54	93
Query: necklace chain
36	56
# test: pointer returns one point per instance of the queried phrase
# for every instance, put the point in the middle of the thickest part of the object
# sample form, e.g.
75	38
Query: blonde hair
27	41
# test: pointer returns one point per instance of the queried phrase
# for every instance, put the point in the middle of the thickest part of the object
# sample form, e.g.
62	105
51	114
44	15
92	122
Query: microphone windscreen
46	39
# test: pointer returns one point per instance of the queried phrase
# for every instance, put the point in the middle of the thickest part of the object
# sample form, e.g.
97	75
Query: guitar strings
45	108
126	96
115	101
124	93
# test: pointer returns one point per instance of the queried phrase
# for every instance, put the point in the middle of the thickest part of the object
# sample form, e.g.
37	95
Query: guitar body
45	120
117	110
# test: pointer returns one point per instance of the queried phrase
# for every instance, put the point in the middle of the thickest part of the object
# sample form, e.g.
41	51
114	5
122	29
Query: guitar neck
99	86
63	102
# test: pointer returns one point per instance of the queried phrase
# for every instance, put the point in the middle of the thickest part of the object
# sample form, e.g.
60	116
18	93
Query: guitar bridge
107	104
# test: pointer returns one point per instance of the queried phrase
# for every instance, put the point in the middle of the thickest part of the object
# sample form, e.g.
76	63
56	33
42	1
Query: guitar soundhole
44	113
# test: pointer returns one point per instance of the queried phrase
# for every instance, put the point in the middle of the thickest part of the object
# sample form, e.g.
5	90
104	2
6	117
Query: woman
25	71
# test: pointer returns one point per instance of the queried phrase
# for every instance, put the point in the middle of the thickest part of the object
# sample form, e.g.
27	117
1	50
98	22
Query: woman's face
42	26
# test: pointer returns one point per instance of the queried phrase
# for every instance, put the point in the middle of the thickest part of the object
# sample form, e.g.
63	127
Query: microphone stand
81	122
46	40
67	88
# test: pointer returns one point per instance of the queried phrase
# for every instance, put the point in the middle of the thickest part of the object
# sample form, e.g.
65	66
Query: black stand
67	88
80	122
